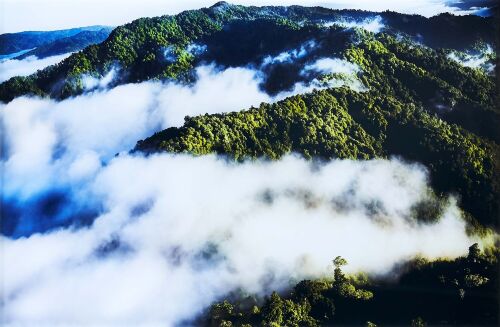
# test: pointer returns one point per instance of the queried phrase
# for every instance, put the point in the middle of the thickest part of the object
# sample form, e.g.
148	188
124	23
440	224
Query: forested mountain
340	123
159	48
419	105
16	42
344	84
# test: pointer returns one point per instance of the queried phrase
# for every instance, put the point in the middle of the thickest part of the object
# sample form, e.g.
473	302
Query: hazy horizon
56	15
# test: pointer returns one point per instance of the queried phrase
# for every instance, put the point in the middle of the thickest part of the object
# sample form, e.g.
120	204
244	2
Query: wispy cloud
371	24
169	234
24	67
291	55
475	59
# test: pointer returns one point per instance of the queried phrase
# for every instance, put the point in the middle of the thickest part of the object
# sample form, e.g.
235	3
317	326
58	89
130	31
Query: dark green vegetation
15	42
459	292
419	105
139	48
398	116
69	44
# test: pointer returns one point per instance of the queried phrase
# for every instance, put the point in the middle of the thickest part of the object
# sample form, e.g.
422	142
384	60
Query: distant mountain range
50	43
244	33
358	85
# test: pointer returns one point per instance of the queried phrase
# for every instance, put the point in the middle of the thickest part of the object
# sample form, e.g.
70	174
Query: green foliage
458	292
310	303
314	125
341	123
138	47
344	286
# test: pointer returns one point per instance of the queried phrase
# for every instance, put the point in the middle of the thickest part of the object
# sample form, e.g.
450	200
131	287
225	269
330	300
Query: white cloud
332	66
90	82
291	55
475	60
53	14
372	24
196	49
230	90
24	67
43	136
345	74
204	229
173	232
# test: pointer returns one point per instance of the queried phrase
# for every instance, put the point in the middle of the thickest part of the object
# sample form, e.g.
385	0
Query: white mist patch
196	49
333	65
372	24
24	67
479	59
14	55
169	54
233	89
44	137
177	232
91	83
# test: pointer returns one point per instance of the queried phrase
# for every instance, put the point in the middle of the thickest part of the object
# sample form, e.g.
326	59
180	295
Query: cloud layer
166	235
46	140
478	59
372	24
45	137
24	67
175	233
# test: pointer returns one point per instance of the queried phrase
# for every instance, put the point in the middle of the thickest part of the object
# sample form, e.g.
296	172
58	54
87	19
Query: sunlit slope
138	49
341	123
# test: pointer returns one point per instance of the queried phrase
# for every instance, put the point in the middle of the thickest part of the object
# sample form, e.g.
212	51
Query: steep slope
341	123
157	48
419	105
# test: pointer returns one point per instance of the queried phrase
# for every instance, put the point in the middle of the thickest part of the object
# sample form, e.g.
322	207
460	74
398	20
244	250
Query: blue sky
22	15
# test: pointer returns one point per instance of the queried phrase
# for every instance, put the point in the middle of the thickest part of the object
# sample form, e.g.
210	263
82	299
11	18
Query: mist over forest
253	166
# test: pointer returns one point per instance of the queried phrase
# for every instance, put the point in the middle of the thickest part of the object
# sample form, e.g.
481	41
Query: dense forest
458	292
397	116
414	103
138	48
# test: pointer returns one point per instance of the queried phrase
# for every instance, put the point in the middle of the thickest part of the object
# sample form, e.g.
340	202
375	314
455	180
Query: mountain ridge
138	51
18	41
